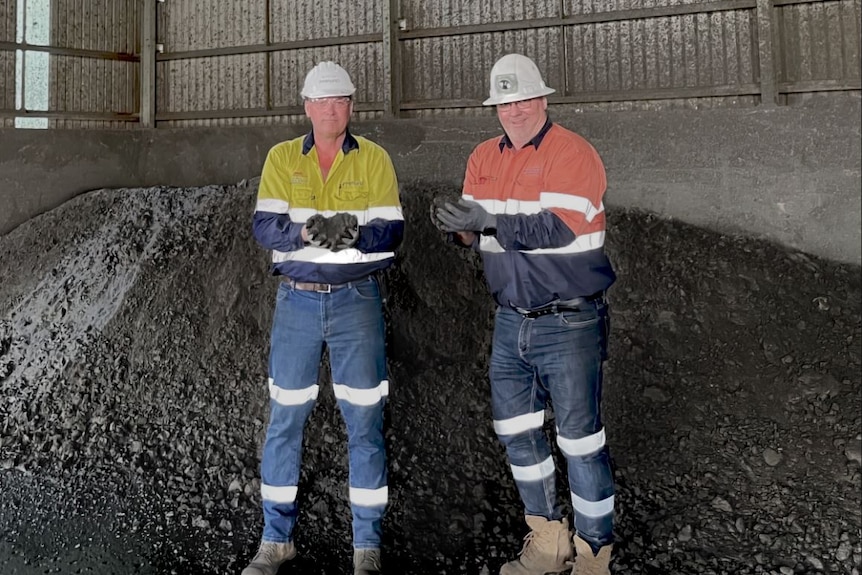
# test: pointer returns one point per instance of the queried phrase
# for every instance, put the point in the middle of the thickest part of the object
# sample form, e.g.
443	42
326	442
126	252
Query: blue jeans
349	321
555	358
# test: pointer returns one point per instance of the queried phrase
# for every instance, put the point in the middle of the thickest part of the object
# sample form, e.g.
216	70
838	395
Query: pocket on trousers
283	292
606	334
579	319
368	289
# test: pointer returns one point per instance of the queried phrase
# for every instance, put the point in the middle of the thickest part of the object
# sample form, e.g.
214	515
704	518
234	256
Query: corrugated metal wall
456	67
309	20
8	15
646	57
696	50
259	84
598	54
211	83
224	63
819	42
617	64
94	85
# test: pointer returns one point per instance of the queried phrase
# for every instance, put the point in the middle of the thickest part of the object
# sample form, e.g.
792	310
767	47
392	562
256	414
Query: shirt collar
505	142
350	143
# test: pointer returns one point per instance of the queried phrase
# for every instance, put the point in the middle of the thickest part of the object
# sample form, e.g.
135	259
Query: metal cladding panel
715	49
217	83
421	14
362	62
599	6
106	25
79	84
292	120
202	24
698	50
254	121
312	19
229	82
819	41
91	125
8	19
91	85
458	67
8	15
7	80
433	113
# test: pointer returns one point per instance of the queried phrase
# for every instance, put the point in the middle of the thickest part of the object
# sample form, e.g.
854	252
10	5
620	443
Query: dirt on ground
134	332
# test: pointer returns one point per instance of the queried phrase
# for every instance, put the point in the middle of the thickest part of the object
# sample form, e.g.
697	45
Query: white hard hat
325	80
514	78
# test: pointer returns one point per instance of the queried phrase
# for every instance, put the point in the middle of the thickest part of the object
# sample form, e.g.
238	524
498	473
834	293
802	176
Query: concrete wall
788	174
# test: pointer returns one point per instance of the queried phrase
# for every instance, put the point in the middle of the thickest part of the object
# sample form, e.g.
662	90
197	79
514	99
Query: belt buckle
323	288
534	313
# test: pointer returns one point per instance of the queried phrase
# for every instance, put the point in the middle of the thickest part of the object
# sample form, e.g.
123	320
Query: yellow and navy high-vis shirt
361	181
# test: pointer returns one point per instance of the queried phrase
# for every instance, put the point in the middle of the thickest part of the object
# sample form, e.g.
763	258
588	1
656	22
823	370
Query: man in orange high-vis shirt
532	207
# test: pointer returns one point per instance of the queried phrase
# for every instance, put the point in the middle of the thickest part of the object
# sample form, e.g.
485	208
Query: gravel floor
134	329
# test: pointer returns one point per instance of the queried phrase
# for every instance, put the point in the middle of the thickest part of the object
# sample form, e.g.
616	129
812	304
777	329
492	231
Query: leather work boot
588	564
366	561
269	558
547	549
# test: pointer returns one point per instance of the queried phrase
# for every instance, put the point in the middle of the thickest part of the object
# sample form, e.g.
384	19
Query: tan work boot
269	558
366	561
547	549
588	564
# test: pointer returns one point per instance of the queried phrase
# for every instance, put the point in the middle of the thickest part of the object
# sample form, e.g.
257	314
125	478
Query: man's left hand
465	216
347	240
338	232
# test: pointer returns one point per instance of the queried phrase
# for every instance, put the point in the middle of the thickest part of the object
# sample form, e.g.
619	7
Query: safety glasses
522	105
336	101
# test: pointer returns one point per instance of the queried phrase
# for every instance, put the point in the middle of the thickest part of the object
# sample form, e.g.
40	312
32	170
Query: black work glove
336	233
348	239
465	216
314	230
346	230
439	203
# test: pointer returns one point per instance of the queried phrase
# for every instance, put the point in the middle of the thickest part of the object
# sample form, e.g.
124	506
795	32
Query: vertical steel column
391	59
766	58
267	74
23	8
148	64
564	61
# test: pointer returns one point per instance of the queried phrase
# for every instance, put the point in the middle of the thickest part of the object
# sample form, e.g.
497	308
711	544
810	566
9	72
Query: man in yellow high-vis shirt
328	208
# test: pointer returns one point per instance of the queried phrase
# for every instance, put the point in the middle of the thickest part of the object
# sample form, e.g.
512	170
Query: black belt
573	304
319	287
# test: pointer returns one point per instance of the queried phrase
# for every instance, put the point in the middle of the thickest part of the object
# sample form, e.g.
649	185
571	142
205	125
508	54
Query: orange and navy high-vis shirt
550	236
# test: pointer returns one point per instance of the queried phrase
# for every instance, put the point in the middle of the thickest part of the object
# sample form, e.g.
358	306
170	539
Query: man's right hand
438	203
314	230
466	216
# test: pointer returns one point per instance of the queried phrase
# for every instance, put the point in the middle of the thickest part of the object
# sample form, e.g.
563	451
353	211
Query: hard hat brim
509	98
328	94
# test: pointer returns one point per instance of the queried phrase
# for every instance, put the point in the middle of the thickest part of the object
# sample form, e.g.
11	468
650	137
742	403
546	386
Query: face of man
329	116
523	120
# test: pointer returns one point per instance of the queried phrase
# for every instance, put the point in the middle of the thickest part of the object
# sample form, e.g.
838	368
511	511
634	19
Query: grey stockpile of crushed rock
127	349
133	343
